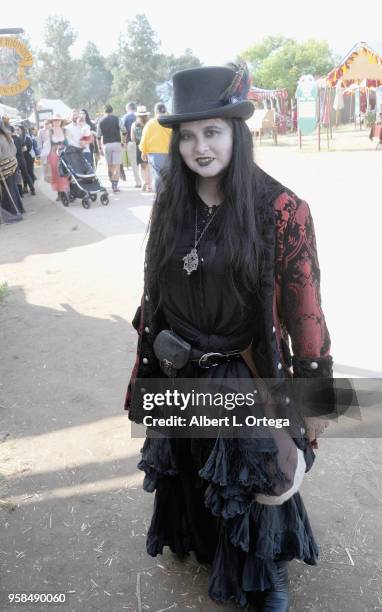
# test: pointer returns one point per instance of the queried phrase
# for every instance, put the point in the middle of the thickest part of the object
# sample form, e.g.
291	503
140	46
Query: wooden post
328	114
36	113
319	120
299	138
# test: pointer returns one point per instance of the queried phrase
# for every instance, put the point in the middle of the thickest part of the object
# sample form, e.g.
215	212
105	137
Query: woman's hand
315	426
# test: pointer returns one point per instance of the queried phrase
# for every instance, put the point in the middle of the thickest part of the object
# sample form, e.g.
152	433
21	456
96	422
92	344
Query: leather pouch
172	352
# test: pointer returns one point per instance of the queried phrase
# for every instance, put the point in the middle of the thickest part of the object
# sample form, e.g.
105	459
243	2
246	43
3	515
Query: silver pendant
191	261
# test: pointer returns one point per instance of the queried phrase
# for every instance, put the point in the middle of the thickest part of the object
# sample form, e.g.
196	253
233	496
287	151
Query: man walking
109	138
155	143
126	123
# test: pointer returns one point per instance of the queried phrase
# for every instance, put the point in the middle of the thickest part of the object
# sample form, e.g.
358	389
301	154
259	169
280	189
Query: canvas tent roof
360	63
9	111
58	107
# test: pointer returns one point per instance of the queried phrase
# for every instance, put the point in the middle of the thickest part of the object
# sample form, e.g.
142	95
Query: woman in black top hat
231	269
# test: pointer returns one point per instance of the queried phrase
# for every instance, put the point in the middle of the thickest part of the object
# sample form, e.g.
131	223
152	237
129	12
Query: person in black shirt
21	161
109	137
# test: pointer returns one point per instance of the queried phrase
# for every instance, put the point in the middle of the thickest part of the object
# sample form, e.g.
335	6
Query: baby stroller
83	180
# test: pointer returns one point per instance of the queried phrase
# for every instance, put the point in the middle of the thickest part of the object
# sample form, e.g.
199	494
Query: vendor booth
270	114
359	73
361	63
46	108
274	99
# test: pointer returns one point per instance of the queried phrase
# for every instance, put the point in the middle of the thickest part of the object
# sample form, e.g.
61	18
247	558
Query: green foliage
256	54
55	71
172	64
94	81
135	65
139	68
3	290
278	62
370	118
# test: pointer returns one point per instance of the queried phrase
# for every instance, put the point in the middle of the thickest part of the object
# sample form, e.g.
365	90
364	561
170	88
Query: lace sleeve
299	306
298	285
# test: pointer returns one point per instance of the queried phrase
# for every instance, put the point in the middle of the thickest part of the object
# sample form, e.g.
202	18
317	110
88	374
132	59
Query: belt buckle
203	360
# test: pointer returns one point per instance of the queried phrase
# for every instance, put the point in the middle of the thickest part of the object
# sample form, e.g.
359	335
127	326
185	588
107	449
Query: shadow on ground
60	368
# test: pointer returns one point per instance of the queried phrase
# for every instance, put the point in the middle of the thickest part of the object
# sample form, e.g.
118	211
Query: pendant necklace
191	260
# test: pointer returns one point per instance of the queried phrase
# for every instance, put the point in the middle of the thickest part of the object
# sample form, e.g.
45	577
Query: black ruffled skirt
205	491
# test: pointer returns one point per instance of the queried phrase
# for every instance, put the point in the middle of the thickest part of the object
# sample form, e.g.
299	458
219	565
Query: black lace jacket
293	339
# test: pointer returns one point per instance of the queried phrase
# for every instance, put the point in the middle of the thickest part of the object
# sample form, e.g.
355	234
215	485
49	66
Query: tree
135	65
172	64
256	54
278	62
169	65
94	80
55	72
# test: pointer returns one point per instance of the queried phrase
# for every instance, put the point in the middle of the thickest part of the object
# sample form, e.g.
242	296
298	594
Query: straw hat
142	111
58	118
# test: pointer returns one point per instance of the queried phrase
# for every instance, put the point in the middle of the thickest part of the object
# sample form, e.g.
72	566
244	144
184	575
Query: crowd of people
143	140
18	151
136	140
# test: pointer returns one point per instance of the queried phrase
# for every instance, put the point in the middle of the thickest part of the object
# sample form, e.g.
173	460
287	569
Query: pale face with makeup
206	146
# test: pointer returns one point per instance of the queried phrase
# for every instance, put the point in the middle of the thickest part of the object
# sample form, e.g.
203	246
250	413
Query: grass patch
3	290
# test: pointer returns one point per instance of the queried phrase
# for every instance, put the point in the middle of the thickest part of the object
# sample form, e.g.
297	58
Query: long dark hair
238	227
87	118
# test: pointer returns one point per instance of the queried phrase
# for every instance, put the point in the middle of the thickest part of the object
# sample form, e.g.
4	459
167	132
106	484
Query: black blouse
205	300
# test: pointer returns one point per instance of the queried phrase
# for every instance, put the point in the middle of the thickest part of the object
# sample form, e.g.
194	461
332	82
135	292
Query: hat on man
142	111
209	92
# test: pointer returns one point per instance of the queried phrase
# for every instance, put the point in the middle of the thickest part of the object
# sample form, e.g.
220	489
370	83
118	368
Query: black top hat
206	93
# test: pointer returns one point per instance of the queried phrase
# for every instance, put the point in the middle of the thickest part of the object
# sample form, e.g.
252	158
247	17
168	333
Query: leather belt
210	360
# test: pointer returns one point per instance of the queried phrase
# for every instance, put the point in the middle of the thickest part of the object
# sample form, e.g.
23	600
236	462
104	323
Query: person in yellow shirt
155	143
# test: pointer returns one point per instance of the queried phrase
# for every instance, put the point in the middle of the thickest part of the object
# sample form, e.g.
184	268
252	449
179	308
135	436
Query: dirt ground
73	514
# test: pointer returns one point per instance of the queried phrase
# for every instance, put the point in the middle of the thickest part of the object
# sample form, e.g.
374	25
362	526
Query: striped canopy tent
361	64
257	93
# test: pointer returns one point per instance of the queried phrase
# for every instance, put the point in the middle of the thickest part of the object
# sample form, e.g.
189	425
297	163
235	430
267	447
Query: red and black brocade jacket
292	337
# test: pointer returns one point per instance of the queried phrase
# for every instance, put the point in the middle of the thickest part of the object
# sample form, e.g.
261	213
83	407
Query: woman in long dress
232	272
59	183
